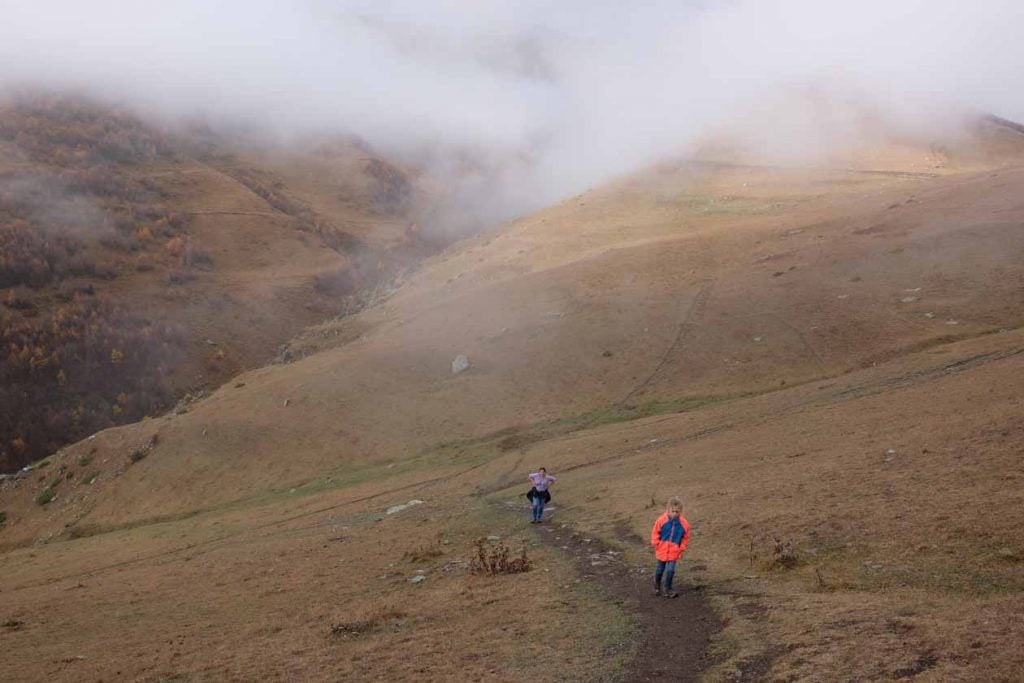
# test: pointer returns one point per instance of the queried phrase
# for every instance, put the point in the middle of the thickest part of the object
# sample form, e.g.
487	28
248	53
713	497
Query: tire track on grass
234	537
694	311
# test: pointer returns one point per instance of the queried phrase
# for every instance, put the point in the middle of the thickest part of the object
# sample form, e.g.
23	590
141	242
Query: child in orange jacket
670	536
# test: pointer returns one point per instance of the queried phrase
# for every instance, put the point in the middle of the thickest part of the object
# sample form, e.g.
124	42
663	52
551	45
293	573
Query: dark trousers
669	570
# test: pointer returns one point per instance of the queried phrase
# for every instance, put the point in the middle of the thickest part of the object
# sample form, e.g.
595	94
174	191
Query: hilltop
822	361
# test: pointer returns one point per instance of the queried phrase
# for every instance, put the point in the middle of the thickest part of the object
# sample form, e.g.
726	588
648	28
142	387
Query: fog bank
547	98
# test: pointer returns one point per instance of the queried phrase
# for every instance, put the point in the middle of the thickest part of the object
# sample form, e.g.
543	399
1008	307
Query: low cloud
546	98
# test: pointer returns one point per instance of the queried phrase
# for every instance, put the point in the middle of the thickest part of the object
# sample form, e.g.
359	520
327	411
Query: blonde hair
674	503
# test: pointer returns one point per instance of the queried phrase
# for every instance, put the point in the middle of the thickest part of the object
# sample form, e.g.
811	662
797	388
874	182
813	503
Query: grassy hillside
822	362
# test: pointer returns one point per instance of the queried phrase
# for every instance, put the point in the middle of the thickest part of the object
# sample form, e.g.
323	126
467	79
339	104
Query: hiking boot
657	592
671	594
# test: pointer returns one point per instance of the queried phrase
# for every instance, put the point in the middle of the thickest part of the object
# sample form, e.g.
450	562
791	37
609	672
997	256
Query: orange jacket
670	537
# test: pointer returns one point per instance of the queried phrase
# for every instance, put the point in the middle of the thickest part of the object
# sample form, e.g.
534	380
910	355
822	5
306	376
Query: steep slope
823	362
138	264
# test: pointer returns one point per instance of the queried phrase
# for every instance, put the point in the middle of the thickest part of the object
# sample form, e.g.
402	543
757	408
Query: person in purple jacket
539	495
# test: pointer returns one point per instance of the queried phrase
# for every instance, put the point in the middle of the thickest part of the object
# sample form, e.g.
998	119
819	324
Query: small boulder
460	364
404	506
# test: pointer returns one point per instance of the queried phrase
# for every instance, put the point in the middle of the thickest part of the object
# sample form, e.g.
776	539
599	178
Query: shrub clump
493	560
423	553
375	622
784	555
46	495
140	453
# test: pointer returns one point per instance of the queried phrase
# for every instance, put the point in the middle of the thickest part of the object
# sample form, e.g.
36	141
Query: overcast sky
553	94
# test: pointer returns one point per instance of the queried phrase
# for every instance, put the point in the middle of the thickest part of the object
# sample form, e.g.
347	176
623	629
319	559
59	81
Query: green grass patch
45	496
3	518
351	474
93	476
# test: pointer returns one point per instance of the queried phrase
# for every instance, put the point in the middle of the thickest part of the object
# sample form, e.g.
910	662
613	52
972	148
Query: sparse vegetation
3	518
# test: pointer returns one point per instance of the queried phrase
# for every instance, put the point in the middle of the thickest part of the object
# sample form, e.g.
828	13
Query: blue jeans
538	507
669	570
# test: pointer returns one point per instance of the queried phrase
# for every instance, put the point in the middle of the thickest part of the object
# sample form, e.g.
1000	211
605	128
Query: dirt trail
673	634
